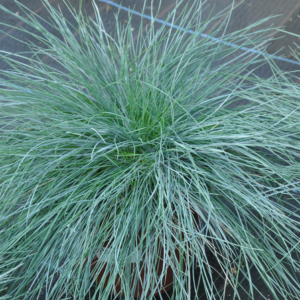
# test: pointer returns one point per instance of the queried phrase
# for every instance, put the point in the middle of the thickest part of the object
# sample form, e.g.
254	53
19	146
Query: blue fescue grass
137	144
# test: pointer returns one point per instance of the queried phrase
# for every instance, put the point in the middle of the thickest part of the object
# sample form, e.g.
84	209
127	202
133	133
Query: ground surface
11	40
246	13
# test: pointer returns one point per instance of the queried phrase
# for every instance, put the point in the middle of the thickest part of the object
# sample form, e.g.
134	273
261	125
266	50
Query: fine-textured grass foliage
139	144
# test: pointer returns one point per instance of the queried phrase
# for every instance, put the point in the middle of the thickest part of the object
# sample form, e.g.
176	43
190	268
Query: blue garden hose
201	34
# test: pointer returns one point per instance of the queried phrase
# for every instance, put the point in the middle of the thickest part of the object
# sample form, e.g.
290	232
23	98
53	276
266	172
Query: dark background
285	14
249	11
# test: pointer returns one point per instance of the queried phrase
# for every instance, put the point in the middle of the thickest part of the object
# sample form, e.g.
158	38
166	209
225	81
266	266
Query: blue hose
201	34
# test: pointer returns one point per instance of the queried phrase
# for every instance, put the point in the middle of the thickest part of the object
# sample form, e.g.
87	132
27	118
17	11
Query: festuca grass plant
138	146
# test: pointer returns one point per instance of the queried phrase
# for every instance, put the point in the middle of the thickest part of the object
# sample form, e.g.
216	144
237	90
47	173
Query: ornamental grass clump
139	148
